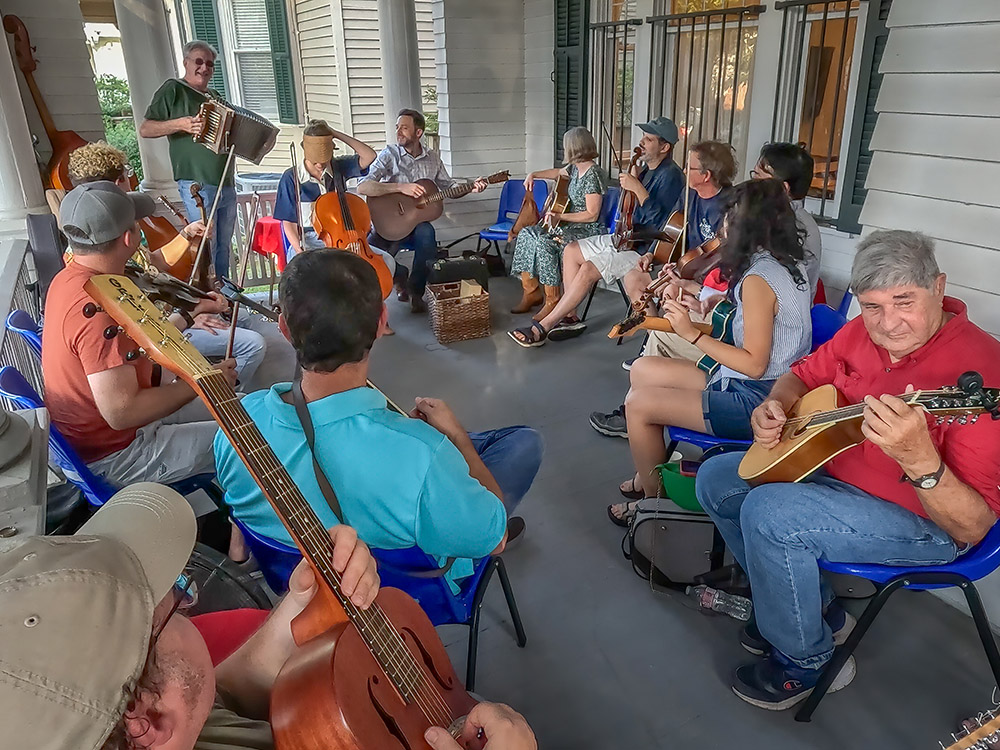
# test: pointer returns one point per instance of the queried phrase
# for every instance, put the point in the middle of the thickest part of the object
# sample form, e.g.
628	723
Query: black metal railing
611	83
817	47
699	72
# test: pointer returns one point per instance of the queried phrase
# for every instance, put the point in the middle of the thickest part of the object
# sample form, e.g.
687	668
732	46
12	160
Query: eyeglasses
199	61
760	174
185	593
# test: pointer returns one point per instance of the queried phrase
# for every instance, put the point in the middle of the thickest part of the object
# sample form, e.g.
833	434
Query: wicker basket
459	311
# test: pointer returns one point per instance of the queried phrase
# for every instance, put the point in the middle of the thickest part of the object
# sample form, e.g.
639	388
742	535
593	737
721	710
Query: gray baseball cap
76	616
664	127
98	212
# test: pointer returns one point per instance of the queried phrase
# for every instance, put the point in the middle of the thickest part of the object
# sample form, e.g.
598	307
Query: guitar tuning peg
90	310
134	355
111	331
939	421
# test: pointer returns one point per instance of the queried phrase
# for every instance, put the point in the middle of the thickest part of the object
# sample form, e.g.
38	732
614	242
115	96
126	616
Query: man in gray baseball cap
93	654
96	213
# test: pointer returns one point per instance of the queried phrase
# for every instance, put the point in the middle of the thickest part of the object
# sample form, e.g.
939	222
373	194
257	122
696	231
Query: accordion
225	126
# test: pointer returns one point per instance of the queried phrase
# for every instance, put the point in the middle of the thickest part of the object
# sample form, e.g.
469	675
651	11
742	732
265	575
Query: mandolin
360	679
396	215
820	427
63	142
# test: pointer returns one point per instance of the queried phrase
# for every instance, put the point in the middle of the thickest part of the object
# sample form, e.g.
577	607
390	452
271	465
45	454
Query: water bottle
737	607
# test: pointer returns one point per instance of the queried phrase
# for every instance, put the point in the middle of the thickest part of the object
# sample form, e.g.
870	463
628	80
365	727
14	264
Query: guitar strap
302	411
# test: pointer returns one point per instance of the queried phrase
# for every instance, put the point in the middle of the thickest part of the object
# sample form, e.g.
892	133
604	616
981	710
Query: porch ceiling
98	11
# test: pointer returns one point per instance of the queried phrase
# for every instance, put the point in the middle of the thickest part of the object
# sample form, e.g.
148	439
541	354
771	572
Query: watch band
927	481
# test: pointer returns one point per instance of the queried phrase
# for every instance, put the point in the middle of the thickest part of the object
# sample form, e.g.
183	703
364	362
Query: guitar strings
855	410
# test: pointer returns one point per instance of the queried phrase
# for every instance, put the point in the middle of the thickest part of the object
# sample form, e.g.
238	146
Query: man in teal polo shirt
173	113
401	481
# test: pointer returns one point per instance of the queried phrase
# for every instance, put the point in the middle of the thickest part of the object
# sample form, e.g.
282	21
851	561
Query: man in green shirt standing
173	113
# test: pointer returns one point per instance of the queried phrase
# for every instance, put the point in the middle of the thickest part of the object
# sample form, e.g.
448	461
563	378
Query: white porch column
149	61
20	184
397	33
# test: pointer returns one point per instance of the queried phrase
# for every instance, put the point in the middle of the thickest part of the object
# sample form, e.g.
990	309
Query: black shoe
841	622
775	684
627	364
417	304
515	531
612	425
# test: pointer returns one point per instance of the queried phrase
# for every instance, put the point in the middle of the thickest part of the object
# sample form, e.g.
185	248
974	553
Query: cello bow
251	230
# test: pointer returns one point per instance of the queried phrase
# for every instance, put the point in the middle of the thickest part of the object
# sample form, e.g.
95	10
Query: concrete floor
610	663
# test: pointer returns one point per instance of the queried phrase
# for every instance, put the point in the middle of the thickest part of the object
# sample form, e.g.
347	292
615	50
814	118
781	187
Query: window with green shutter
859	154
570	68
281	60
205	23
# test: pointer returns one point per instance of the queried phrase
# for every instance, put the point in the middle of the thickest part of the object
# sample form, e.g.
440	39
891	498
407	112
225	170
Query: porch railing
18	291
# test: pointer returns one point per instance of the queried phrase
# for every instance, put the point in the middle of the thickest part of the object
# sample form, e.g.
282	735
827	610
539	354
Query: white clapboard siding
938	135
481	101
971	94
318	61
426	48
539	90
937	13
943	49
941	178
63	75
278	159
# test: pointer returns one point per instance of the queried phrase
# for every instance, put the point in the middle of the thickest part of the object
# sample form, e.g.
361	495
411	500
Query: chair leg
983	627
842	654
508	593
470	661
628	307
270	287
586	309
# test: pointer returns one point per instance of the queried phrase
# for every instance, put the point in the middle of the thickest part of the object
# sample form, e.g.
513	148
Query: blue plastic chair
974	565
406	569
845	304
22	323
511	198
609	217
825	323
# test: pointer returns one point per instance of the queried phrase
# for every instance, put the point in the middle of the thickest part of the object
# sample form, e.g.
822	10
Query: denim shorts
728	403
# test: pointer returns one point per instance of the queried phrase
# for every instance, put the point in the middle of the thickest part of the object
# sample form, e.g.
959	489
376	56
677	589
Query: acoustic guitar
360	679
820	427
396	215
63	142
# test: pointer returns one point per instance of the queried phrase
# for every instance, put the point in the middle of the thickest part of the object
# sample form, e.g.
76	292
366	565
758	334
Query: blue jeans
423	241
225	220
778	531
513	455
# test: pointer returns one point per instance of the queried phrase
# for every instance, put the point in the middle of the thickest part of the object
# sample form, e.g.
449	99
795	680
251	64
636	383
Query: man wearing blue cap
657	186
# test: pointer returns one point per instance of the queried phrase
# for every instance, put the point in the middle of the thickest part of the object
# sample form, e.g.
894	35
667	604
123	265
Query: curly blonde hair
96	161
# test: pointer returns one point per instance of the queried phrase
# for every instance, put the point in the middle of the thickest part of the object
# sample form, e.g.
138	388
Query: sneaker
841	622
774	684
612	425
627	364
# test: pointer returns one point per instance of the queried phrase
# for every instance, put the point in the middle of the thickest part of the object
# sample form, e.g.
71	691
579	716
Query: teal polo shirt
400	482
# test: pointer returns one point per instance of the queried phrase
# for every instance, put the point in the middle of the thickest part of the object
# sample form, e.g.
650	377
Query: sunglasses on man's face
185	593
198	62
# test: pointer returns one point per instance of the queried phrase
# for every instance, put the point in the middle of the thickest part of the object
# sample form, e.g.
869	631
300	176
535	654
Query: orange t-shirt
74	347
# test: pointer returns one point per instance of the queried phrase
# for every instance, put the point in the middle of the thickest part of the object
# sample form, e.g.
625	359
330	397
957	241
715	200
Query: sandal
636	493
626	517
527	336
565	331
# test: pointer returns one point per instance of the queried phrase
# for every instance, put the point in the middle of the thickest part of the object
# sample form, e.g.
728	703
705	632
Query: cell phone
689	468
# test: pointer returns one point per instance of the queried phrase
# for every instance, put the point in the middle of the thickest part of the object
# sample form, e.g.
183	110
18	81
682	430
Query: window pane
257	83
250	24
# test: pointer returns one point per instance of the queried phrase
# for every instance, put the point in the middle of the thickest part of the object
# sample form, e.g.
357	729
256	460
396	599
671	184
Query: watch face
928	483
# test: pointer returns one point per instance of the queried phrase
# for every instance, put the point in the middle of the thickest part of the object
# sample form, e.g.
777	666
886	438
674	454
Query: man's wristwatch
927	481
185	315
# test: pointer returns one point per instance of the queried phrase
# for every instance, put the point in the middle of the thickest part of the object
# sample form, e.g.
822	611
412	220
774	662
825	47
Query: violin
696	264
336	218
201	275
627	202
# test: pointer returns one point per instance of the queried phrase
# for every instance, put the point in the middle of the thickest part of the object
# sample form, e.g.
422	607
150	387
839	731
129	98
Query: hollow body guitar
396	215
820	426
360	679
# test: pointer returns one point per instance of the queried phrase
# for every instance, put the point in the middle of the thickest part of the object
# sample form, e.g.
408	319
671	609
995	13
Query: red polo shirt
858	368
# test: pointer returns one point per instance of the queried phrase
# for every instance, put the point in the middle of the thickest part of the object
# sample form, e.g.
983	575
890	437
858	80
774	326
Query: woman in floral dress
538	250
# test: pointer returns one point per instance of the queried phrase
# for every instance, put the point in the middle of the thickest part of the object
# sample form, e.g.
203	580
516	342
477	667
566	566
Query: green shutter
205	23
570	68
281	60
859	154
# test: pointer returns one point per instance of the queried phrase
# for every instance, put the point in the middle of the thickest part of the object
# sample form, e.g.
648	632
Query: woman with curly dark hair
762	262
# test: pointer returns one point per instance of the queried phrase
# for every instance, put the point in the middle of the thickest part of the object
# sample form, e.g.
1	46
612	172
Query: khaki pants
660	344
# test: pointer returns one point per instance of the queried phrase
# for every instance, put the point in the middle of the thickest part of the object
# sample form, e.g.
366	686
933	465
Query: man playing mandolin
914	492
396	169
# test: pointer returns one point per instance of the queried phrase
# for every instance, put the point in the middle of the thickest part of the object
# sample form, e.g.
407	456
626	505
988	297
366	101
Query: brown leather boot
531	295
552	296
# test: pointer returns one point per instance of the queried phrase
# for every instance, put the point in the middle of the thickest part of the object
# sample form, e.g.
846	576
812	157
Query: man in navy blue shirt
657	186
711	170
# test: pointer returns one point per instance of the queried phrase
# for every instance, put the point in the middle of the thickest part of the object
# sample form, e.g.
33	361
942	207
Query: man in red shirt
101	397
914	492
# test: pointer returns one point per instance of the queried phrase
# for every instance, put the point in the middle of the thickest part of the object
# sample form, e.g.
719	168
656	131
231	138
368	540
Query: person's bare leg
635	282
572	259
647	412
586	276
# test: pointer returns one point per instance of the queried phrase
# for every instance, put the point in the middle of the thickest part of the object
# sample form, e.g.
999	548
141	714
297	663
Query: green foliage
121	134
116	111
430	97
113	94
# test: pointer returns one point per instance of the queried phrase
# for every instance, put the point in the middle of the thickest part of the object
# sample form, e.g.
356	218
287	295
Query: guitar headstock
951	403
979	732
496	177
22	44
159	339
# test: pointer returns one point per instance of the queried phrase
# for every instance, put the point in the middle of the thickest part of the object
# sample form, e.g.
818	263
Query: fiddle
336	218
201	268
696	264
627	202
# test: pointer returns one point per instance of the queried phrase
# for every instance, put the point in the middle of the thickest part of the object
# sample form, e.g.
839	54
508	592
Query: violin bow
611	143
211	216
251	231
687	206
298	192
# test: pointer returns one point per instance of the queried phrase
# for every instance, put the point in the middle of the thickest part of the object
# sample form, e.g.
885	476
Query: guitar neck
304	526
458	191
43	112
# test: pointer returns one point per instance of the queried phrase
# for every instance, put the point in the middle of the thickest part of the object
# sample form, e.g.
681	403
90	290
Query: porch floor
609	663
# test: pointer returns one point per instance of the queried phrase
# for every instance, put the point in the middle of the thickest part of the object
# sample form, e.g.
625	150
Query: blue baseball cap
663	127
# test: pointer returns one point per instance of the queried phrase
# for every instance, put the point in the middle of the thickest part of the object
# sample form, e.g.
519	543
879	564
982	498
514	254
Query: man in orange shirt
104	399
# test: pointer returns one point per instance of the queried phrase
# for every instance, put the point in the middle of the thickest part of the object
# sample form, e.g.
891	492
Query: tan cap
76	615
318	148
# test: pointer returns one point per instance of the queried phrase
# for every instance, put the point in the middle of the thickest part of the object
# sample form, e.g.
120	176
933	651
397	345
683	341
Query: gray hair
894	257
198	44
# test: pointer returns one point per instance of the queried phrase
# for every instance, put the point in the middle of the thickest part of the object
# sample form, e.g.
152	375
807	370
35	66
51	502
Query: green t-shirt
191	161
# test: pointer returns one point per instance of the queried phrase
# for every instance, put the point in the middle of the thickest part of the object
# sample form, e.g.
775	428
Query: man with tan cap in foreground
93	654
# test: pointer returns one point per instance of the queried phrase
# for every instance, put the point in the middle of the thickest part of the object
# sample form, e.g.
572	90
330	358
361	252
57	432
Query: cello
337	214
63	141
627	202
201	275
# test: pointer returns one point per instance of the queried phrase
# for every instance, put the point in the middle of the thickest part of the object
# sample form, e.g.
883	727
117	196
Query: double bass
337	216
63	142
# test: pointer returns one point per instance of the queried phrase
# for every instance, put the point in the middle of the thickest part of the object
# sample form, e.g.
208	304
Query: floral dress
537	253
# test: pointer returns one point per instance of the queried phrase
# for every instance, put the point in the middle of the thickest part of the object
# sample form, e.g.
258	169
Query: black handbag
459	269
